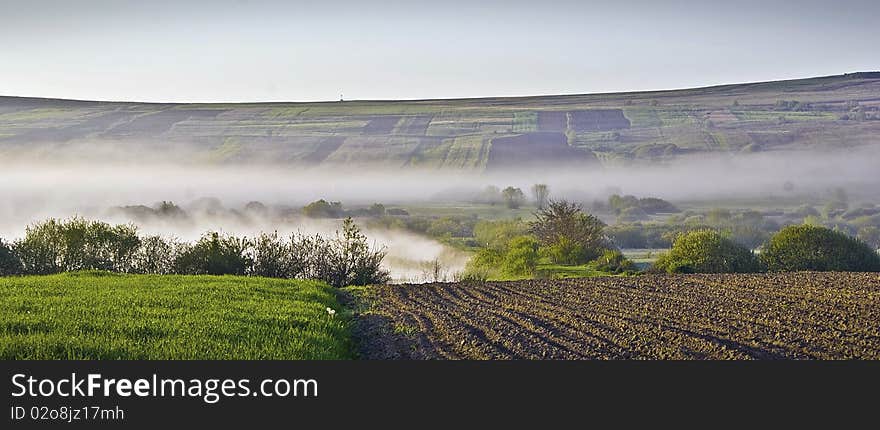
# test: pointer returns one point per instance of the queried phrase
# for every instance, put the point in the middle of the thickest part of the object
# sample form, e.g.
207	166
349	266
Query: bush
57	246
274	258
483	265
498	234
631	214
707	251
156	256
356	263
521	258
323	209
214	254
808	247
565	252
569	234
10	264
613	261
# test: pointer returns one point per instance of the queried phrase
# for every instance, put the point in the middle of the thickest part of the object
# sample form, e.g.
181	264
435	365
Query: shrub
156	255
57	246
565	231
565	252
10	264
707	251
274	258
521	258
613	261
498	234
357	263
483	265
323	209
808	247
631	214
214	254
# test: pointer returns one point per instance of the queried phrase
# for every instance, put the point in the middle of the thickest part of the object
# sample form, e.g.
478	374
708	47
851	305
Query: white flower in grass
331	311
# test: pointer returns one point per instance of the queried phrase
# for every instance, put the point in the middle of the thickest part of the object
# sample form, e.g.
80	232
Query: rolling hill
465	134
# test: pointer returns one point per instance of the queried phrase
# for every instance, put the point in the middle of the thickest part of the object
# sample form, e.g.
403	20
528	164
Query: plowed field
775	316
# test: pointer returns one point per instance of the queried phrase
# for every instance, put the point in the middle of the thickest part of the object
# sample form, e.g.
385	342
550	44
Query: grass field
97	315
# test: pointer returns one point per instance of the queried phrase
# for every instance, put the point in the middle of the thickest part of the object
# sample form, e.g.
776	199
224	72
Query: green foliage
707	251
214	254
483	265
498	234
565	251
633	208
64	246
565	231
542	194
642	235
275	258
518	259
808	247
613	261
10	263
521	258
449	226
57	246
103	316
631	214
323	209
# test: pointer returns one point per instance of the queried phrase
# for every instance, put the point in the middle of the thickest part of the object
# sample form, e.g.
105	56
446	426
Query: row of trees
56	246
794	248
514	197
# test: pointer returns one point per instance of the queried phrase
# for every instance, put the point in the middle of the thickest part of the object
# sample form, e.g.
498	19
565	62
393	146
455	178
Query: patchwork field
465	134
98	315
762	316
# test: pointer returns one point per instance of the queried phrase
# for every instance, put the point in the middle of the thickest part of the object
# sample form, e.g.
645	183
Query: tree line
56	246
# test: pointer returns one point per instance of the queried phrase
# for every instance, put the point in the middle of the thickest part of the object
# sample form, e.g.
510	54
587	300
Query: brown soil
775	316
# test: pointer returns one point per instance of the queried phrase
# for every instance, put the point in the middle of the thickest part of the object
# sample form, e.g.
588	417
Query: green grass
98	315
556	271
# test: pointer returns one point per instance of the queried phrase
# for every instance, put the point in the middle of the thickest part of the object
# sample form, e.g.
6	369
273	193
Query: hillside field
482	134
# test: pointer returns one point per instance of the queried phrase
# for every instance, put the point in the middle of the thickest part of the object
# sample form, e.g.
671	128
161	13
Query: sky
252	50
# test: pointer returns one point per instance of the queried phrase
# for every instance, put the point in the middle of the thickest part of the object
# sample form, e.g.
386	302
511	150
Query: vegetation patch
104	316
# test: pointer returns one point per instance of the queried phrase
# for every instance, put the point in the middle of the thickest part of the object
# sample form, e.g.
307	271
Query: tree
10	264
541	193
809	247
215	254
513	197
562	222
323	209
707	251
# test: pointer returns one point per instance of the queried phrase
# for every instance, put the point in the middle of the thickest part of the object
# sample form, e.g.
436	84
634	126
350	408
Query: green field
98	315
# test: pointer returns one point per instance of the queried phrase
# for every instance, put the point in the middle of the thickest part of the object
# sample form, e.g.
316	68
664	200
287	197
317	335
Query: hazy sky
251	50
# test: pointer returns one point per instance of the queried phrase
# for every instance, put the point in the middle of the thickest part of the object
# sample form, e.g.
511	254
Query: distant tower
340	97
